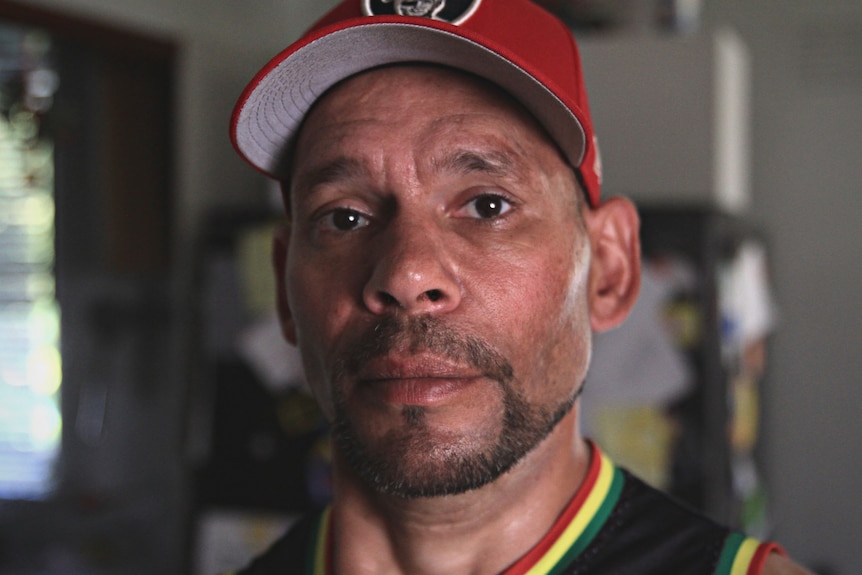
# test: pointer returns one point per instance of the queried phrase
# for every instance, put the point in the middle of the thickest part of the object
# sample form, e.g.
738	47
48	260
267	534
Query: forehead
414	99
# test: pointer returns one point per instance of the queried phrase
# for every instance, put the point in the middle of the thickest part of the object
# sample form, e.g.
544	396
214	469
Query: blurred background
151	421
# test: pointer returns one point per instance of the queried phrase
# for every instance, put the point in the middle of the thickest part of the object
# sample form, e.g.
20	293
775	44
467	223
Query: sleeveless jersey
615	524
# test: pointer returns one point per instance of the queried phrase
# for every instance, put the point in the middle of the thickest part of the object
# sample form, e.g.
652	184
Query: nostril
388	299
434	295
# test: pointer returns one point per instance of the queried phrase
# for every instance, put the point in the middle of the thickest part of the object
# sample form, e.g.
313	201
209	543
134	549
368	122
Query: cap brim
272	108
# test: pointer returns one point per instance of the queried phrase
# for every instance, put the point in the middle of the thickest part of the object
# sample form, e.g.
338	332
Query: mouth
418	361
418	381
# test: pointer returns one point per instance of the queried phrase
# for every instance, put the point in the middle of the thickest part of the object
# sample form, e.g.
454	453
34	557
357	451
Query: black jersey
615	524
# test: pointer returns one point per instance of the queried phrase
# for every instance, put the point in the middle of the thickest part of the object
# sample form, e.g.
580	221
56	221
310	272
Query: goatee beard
414	461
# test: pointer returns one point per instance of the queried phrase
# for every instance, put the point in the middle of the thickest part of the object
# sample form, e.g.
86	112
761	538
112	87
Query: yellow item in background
254	249
638	437
744	419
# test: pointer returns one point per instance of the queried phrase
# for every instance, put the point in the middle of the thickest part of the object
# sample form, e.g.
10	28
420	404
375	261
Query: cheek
318	305
540	307
322	293
571	331
539	283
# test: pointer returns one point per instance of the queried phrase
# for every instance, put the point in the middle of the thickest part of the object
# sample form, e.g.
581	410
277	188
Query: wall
807	134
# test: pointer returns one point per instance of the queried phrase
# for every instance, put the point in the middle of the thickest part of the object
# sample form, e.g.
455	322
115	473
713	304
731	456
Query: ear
615	267
280	243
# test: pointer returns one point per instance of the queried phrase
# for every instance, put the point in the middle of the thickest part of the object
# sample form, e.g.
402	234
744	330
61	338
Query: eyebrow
337	170
470	162
344	168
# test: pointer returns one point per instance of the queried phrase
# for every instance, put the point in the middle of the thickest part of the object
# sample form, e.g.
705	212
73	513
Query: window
30	373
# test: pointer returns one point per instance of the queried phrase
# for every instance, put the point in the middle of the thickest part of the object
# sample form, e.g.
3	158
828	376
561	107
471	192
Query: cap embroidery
452	11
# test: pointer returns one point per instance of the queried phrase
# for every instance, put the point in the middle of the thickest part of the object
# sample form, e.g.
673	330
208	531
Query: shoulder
647	531
650	531
656	514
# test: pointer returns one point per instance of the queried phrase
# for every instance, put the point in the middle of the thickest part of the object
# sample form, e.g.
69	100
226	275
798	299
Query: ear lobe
615	267
280	243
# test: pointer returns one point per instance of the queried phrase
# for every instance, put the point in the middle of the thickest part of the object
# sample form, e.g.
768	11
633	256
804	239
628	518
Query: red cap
512	43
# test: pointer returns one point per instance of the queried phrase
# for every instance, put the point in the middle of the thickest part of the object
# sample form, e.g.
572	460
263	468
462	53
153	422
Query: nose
412	272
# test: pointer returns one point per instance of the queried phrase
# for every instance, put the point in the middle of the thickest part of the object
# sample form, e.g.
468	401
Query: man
445	261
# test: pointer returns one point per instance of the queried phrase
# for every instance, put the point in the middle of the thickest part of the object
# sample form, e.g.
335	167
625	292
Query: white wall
807	192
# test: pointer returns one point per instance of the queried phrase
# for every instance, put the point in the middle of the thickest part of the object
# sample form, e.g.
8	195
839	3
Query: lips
418	380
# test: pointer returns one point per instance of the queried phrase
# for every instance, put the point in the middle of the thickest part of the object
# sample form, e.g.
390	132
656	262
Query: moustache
422	334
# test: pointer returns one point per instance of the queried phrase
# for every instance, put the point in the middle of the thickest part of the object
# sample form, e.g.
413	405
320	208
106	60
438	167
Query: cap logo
452	11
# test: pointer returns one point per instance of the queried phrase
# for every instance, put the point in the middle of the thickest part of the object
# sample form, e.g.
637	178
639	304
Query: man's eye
488	206
345	220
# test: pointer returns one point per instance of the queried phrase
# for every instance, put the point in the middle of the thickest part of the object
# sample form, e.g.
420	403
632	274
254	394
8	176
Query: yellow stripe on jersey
744	556
320	545
580	522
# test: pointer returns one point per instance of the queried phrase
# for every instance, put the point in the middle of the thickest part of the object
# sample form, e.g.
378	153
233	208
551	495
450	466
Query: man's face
436	278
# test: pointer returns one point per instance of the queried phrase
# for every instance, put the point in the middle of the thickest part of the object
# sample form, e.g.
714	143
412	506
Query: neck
479	532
